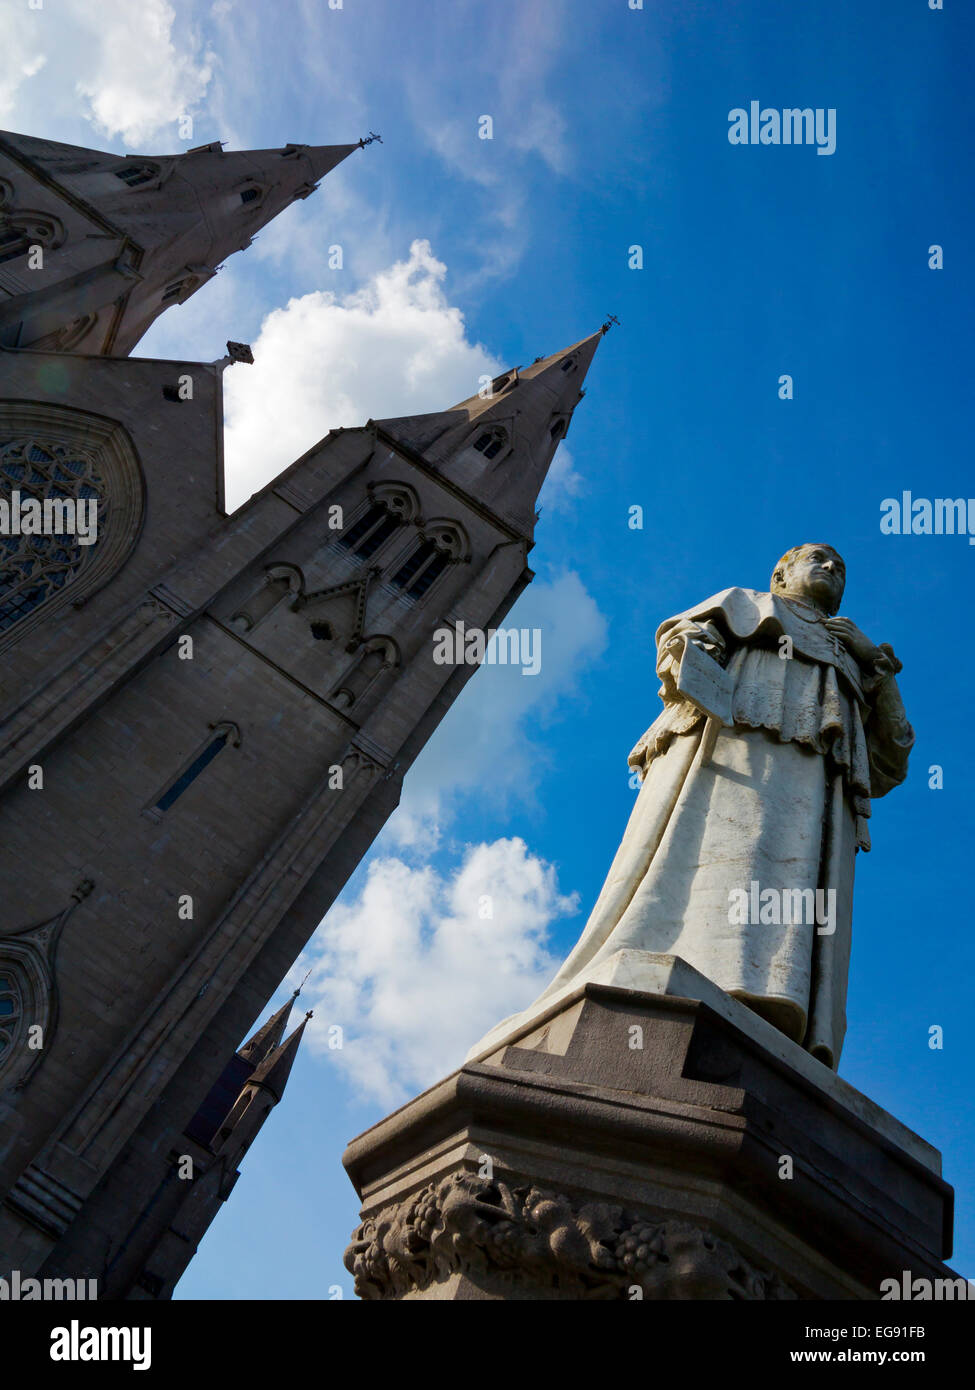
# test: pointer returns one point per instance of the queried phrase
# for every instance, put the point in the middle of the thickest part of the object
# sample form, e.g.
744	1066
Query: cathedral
205	718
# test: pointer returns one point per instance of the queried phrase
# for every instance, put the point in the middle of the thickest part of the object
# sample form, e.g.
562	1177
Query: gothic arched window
379	655
416	575
442	543
71	505
11	1009
278	582
23	230
221	735
373	528
28	993
37	565
491	442
68	337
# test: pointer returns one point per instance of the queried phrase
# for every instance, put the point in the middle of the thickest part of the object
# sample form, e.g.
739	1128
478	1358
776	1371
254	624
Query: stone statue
781	723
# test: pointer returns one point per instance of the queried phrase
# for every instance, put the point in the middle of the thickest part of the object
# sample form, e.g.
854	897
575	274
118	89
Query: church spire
498	445
152	230
274	1071
268	1036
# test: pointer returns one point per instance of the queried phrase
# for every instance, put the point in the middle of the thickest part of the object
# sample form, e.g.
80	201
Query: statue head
813	572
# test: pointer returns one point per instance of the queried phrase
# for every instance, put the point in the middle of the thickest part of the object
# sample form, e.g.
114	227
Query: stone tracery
34	567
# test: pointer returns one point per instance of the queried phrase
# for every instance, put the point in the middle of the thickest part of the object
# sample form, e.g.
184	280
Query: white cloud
136	68
24	37
407	966
394	347
562	484
140	77
414	971
483	745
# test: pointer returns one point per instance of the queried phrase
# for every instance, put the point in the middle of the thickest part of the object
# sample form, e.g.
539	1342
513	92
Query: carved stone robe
782	803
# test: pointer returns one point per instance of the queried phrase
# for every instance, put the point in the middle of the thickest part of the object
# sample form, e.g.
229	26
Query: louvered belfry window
373	528
425	565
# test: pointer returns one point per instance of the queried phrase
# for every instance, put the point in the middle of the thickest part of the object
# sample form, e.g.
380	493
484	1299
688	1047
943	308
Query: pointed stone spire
274	1071
268	1037
158	227
499	446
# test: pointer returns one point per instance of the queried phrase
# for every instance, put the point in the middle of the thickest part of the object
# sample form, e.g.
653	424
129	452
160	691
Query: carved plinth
634	1145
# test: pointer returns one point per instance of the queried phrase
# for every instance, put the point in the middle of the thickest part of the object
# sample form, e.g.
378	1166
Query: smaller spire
269	1035
499	444
274	1071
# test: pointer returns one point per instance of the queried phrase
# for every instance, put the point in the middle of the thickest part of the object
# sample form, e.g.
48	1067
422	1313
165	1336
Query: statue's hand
854	640
703	635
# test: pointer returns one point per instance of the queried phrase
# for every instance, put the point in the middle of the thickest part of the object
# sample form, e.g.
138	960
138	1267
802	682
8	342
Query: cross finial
610	320
372	136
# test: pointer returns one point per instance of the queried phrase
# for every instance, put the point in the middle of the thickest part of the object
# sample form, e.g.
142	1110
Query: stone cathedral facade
205	719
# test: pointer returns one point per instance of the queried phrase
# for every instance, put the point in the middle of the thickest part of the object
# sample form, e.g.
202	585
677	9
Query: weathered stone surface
521	1240
651	1126
649	973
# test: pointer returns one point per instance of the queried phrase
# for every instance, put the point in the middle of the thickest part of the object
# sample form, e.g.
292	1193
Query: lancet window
374	527
491	442
418	572
378	656
221	736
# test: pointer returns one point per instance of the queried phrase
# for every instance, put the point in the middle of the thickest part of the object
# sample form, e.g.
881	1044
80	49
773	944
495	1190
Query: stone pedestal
633	1144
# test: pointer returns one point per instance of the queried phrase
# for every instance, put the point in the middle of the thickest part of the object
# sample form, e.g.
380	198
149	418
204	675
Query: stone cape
753	615
783	800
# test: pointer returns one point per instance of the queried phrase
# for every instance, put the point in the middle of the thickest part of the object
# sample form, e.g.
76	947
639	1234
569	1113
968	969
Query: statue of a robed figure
637	1112
781	723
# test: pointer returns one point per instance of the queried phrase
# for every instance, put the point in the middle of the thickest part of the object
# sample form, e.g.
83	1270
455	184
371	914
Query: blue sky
610	130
